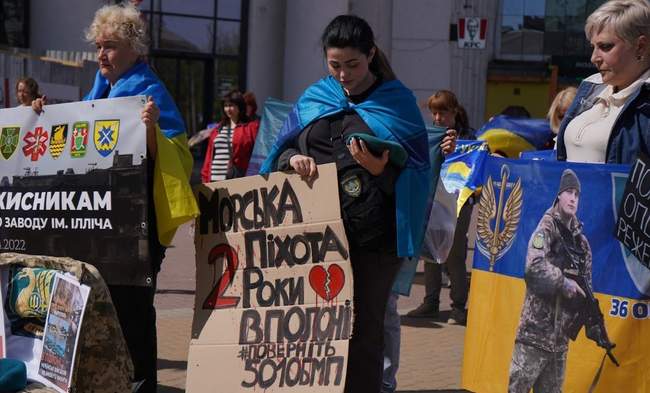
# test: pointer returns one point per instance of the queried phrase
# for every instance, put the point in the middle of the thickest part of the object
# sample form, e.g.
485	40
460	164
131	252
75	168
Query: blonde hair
560	105
122	22
629	19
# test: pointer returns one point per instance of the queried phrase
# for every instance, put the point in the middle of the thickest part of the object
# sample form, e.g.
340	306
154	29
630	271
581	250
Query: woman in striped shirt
231	141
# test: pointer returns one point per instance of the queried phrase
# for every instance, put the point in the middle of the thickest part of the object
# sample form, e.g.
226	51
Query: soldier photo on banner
558	279
557	303
73	182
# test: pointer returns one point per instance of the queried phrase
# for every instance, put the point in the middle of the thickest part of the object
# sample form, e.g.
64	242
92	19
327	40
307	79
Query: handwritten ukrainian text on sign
633	226
273	307
73	184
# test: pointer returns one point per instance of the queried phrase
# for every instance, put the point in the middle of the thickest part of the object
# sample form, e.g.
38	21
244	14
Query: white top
586	136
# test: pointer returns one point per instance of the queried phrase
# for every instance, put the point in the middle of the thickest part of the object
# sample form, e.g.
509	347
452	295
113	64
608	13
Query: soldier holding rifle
559	298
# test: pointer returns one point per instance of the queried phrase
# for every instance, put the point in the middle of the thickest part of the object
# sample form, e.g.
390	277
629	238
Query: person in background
558	110
447	112
231	141
392	318
26	91
517	111
608	121
118	32
559	107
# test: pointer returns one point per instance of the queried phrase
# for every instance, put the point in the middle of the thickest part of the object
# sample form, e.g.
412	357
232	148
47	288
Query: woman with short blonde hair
628	19
559	107
605	123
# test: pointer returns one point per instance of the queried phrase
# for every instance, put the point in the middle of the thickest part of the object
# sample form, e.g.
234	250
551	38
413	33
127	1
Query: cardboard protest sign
273	306
633	226
73	182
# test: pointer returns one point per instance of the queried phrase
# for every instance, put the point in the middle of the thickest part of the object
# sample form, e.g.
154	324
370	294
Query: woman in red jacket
231	142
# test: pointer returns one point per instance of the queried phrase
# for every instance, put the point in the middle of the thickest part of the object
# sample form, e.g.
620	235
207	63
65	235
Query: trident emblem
493	243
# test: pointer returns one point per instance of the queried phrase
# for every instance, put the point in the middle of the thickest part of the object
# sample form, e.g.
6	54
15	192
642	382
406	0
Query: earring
639	57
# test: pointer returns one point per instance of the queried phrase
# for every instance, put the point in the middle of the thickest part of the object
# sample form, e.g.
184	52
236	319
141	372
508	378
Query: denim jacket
631	131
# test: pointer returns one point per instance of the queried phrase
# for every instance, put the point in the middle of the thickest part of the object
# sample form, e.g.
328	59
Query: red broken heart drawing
327	284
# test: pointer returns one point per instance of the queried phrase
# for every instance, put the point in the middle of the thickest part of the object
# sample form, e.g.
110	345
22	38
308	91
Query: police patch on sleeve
352	186
538	240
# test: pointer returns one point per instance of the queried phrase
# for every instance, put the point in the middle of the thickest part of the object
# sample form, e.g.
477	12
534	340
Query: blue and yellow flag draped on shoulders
173	198
515	196
392	114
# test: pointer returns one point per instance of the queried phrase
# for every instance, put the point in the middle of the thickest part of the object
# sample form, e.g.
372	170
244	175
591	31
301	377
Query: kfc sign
471	33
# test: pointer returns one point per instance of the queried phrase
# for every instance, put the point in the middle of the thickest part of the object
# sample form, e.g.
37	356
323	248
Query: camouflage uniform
541	344
102	364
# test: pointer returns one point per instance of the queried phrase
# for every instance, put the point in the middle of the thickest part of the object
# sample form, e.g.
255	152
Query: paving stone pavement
431	353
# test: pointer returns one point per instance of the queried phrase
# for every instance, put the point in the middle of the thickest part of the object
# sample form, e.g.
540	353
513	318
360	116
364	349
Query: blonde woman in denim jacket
609	120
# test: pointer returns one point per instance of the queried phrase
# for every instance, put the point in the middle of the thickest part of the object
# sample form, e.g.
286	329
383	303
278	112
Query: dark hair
249	99
31	85
237	98
350	31
516	111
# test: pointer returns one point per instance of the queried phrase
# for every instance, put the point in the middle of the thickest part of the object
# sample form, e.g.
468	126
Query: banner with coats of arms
73	182
545	228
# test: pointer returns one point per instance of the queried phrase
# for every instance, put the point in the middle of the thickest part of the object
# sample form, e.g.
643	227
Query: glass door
186	81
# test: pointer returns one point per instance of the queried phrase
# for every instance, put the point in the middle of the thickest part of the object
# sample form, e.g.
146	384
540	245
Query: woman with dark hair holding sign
369	124
118	32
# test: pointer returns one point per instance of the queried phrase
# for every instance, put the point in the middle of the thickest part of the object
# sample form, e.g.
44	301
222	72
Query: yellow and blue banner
509	136
547	154
459	179
516	194
461	171
173	198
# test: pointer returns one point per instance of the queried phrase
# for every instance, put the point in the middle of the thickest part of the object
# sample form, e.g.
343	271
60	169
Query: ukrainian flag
525	189
274	114
173	197
462	170
509	136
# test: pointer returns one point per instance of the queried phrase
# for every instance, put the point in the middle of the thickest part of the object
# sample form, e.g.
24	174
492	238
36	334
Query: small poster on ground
62	331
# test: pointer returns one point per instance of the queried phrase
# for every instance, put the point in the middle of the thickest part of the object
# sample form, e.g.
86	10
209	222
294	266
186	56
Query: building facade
525	52
491	53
